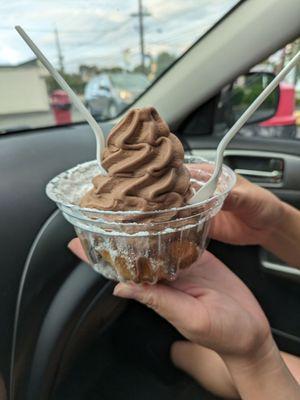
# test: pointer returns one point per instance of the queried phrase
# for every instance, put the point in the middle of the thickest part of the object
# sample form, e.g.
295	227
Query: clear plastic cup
140	246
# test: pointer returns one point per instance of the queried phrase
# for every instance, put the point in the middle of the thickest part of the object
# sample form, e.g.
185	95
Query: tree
74	80
163	61
142	70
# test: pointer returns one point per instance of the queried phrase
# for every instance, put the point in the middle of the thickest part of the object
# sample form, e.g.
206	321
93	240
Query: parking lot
36	120
13	122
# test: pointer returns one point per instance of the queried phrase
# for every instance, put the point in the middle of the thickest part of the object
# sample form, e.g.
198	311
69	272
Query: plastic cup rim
74	208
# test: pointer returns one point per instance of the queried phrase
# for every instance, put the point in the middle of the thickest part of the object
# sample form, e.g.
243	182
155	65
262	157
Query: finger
76	247
239	195
231	202
180	309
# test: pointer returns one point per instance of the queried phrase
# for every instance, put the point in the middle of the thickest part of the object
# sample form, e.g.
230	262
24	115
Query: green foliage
112	70
139	69
163	61
74	80
244	96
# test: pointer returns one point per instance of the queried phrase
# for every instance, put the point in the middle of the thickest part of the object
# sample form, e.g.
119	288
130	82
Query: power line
107	35
169	40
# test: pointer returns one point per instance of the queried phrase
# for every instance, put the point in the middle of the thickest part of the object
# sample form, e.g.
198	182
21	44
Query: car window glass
132	41
101	82
105	81
279	115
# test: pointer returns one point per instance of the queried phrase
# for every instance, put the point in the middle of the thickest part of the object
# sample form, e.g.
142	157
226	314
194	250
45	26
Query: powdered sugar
69	186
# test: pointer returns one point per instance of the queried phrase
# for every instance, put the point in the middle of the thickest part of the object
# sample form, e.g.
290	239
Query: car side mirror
242	92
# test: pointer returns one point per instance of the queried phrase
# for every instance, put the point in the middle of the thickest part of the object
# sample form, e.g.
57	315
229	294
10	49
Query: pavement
41	119
13	122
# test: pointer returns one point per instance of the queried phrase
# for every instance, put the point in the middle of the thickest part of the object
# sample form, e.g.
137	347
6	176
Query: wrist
262	374
283	238
277	226
249	363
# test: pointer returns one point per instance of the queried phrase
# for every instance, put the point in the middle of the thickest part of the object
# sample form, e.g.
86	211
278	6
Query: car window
279	115
134	81
131	41
100	82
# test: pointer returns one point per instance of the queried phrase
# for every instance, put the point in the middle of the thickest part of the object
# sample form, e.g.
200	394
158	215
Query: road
36	120
13	122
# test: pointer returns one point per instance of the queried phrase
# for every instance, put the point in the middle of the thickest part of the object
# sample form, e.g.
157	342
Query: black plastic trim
285	146
71	302
19	297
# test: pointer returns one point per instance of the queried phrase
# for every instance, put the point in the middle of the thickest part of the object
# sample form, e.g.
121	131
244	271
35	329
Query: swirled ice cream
145	172
144	162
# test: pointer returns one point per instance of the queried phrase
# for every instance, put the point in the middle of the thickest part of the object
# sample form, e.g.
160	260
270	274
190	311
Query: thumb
231	203
241	196
170	303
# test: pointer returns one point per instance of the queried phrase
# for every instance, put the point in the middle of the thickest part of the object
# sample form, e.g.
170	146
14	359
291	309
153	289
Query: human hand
209	305
249	215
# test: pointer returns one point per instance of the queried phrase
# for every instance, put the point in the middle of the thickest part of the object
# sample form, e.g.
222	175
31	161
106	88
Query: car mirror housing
238	96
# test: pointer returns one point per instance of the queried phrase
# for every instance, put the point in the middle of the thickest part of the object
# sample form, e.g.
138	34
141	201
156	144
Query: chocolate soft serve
144	162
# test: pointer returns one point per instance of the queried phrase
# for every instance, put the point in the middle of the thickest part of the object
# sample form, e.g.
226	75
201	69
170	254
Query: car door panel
279	297
207	141
287	151
272	265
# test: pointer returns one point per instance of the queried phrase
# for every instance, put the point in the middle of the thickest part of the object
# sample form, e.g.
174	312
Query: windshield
130	81
128	42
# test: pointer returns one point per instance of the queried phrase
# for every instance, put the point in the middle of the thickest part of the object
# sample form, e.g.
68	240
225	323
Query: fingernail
127	290
69	245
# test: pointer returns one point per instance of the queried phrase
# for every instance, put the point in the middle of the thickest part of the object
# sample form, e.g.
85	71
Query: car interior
63	334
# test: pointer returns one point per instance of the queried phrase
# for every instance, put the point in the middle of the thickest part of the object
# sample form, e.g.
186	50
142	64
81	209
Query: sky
104	33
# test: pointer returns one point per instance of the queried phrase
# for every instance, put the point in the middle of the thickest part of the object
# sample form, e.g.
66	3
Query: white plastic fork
100	140
208	189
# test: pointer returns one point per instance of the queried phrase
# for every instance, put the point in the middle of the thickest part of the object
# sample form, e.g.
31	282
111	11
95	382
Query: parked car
107	94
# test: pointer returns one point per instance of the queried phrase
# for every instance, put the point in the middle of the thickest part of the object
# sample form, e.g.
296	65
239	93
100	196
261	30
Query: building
23	89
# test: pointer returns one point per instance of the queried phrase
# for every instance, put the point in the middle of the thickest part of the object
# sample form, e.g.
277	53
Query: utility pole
141	25
141	14
59	52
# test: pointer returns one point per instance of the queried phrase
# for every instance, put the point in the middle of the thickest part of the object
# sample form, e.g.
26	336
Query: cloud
98	31
8	53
